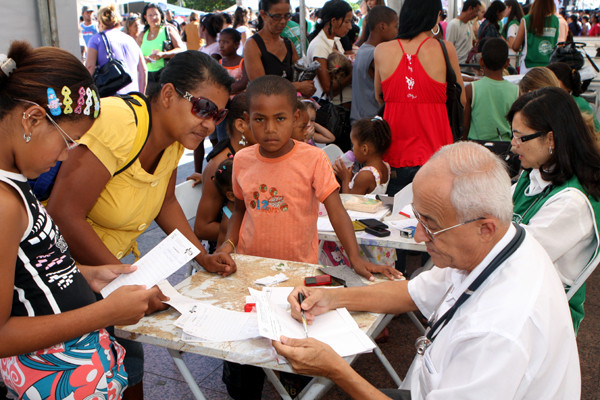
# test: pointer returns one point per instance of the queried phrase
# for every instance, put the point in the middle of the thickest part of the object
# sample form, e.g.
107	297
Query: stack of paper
202	322
336	328
206	323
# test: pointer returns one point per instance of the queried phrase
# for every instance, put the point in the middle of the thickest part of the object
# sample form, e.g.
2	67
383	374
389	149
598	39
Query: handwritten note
160	262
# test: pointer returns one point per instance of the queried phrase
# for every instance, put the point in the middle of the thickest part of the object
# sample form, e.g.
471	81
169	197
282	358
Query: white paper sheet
336	328
272	280
160	262
403	223
363	215
176	300
214	324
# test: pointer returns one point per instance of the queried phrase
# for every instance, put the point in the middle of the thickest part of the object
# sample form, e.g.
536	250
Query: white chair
583	275
402	199
188	197
333	152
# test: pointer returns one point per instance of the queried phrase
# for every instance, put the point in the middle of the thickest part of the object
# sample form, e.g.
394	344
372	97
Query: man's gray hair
481	184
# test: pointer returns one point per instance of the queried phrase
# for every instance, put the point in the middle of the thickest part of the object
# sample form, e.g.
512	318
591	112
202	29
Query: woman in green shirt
154	41
538	34
557	195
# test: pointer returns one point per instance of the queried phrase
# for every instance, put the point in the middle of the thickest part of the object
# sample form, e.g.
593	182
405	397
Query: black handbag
502	150
456	111
111	77
568	52
336	118
167	44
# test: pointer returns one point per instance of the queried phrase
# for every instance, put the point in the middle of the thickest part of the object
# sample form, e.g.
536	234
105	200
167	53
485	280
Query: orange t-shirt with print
282	198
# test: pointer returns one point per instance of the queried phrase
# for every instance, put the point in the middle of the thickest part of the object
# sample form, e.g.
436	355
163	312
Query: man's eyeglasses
69	141
278	17
431	235
522	139
204	108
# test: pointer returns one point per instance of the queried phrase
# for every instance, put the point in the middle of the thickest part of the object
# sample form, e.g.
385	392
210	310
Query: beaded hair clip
54	104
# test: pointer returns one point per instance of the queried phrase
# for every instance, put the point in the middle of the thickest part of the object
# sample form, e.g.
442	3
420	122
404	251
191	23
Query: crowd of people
505	252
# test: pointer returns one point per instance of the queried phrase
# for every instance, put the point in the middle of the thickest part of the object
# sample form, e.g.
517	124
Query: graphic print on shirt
57	264
268	200
410	81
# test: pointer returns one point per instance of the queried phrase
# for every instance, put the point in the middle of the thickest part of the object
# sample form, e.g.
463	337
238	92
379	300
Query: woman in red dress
410	78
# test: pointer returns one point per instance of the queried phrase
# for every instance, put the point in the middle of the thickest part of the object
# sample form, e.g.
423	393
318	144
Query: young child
222	180
383	26
315	132
229	41
301	127
338	66
209	213
370	138
53	344
490	98
279	183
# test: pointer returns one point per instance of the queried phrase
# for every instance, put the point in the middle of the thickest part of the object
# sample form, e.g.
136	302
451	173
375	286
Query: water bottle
348	158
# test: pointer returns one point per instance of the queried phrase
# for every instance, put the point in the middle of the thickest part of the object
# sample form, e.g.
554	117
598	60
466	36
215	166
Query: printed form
160	262
336	328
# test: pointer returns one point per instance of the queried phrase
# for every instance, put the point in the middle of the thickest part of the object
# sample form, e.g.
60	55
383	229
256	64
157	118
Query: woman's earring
550	150
436	32
27	137
243	141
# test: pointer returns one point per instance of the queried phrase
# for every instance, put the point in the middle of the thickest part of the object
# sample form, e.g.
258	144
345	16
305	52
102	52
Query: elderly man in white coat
500	326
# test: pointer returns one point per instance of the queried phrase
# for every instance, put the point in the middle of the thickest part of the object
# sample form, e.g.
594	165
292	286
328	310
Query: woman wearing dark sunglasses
267	53
558	195
102	215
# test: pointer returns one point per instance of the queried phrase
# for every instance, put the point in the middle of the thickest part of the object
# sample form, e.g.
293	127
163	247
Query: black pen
300	300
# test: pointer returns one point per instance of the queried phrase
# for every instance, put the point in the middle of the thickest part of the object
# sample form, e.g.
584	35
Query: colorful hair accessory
80	100
53	103
7	65
67	101
89	102
96	104
376	118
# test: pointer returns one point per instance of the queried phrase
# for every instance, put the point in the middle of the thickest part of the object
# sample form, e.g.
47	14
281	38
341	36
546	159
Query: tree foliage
206	5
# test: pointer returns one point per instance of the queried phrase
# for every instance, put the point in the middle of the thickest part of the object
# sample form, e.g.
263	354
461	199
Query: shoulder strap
288	46
166	26
402	47
141	112
419	48
450	75
375	174
506	252
260	43
109	53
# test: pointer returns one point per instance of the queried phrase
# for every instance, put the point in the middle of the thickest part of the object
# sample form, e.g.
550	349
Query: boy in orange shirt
279	183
